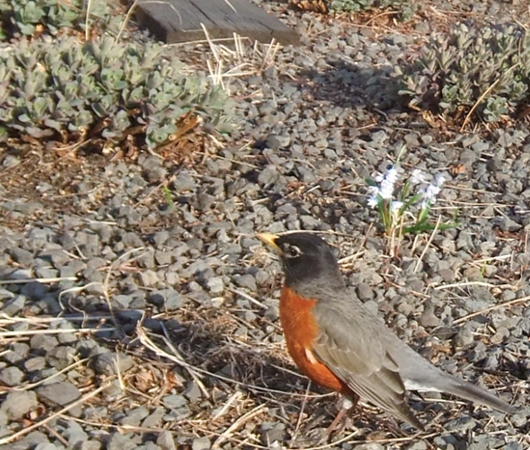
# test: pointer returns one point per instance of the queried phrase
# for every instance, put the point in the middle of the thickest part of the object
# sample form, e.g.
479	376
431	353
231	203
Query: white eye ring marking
292	251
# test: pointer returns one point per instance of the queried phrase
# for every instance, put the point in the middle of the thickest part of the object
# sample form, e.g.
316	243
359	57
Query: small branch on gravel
5	334
492	308
38	280
428	244
48	419
238	424
233	398
176	357
248	297
473	283
483	96
44	380
301	414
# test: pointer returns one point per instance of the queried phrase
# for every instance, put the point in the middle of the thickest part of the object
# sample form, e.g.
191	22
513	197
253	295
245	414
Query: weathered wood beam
180	20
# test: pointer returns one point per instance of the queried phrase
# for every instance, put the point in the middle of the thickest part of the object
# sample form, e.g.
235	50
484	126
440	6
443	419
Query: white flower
392	174
387	189
374	190
429	195
430	192
417	177
395	206
373	201
439	179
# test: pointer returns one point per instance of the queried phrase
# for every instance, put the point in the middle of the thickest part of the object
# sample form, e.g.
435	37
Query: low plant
403	9
103	90
475	73
35	17
405	203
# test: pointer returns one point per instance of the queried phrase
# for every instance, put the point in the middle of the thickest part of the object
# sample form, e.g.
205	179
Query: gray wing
349	344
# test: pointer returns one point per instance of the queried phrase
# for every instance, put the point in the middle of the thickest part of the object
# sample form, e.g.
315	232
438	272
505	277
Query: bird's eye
292	251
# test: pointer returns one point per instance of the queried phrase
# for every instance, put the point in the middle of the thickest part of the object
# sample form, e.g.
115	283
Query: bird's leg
348	404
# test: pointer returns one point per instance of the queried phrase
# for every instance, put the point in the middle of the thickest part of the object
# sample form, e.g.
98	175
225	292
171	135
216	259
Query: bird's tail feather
476	394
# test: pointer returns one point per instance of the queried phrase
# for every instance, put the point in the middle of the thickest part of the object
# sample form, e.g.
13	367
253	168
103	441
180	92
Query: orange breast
300	329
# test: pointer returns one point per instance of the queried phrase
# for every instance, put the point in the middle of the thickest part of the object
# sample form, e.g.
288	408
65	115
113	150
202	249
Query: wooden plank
180	20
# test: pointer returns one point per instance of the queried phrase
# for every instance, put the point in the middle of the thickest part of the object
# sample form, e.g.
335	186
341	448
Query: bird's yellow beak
270	240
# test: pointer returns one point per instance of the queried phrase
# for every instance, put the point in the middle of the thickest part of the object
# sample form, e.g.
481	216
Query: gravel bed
130	321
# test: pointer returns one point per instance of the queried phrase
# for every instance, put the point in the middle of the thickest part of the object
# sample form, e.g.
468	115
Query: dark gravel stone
19	403
272	432
110	363
11	376
134	417
59	394
22	256
118	441
35	364
202	443
154	419
43	342
246	281
18	351
165	441
178	405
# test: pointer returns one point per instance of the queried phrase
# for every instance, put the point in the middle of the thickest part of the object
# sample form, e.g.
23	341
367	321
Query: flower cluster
404	207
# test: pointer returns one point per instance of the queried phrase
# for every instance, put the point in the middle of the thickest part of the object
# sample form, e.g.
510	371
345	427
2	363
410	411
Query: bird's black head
306	259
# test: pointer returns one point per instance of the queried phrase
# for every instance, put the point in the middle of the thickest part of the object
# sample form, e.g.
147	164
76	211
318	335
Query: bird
338	343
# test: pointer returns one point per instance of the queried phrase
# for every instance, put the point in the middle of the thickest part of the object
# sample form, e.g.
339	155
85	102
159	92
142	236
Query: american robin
340	344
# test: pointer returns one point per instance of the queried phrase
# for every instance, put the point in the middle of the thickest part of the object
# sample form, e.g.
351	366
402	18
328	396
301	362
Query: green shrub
28	17
482	70
71	89
404	8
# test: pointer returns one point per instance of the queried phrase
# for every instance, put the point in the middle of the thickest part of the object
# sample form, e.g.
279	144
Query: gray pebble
43	342
22	256
60	394
272	432
146	260
19	403
192	392
464	337
35	364
178	405
428	318
5	295
18	351
134	416
365	292
246	281
166	441
14	306
154	419
202	443
11	376
112	363
118	441
148	278
215	285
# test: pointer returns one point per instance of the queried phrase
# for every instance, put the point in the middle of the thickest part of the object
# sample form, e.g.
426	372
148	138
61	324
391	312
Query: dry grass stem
38	280
238	424
473	283
126	20
5	334
248	297
429	242
233	398
44	380
492	308
240	61
24	431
